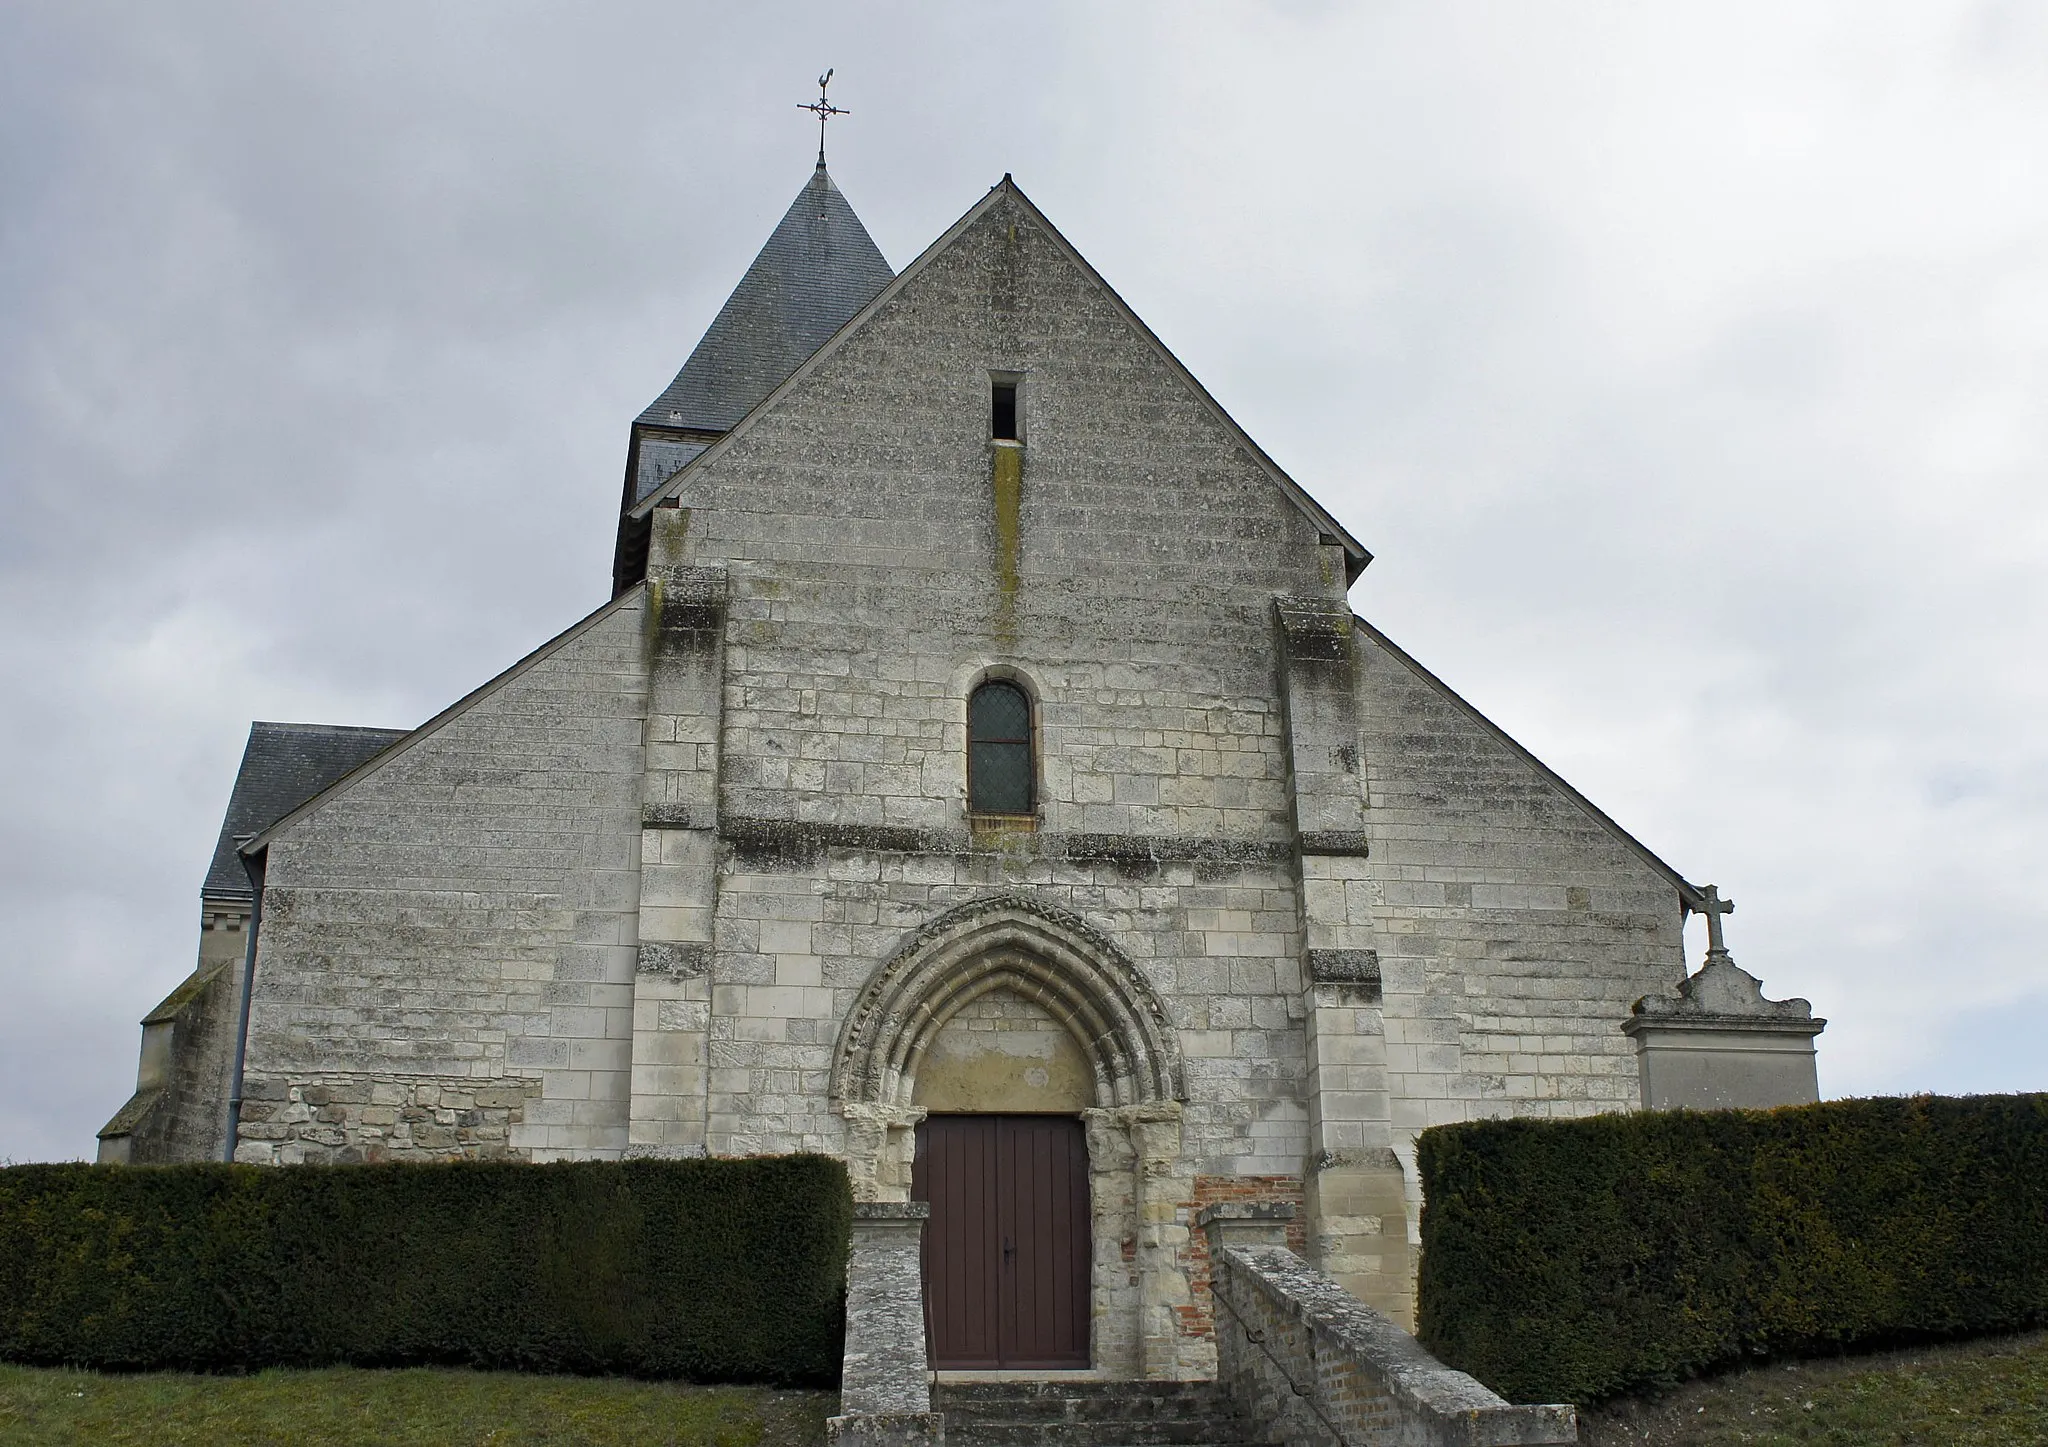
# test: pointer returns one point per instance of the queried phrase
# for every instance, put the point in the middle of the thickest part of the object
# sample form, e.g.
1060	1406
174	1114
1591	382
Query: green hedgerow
716	1270
1576	1260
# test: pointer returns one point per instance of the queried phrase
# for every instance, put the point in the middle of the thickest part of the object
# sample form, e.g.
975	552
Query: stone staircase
1090	1414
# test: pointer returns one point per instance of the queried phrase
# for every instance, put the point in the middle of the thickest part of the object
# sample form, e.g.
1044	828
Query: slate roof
819	267
657	459
284	765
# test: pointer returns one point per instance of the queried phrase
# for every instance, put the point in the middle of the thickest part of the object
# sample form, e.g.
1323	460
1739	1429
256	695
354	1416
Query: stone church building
978	775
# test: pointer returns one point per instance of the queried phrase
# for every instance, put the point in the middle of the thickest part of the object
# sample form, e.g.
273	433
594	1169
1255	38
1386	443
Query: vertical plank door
1006	1252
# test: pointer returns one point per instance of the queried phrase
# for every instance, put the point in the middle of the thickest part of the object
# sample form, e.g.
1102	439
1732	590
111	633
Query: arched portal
1009	942
1016	954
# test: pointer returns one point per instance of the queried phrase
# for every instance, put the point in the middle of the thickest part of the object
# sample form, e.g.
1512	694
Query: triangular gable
442	719
1688	893
1355	552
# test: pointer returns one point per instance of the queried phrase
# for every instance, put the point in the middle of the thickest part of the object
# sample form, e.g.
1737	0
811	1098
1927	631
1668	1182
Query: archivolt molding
1046	954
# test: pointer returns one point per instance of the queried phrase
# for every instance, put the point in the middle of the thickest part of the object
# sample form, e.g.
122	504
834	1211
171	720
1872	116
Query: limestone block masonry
1718	1044
700	876
464	919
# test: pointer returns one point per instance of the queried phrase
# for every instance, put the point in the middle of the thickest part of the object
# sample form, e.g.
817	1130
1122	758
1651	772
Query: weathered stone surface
1718	1044
884	1373
1245	1223
352	1118
1314	1367
887	1429
661	886
466	912
179	1109
683	960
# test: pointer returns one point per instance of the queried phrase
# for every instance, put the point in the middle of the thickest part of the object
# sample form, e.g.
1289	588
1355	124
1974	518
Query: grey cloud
1679	366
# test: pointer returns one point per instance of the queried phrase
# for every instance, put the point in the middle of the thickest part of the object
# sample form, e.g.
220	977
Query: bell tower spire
817	269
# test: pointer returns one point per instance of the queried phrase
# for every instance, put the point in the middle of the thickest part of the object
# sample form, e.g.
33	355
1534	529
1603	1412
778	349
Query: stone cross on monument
1717	1043
1713	907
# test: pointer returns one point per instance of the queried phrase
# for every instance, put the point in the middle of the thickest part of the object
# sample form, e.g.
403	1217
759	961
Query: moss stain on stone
671	533
650	618
1007	471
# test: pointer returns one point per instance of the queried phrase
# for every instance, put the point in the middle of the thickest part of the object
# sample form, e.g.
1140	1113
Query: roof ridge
265	723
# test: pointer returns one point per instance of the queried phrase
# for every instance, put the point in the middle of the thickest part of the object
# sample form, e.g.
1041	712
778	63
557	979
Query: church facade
979	775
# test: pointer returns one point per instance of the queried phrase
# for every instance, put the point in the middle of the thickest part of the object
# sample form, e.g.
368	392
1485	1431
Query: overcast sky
1684	366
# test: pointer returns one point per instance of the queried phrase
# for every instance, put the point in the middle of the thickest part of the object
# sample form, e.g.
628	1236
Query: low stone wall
1318	1368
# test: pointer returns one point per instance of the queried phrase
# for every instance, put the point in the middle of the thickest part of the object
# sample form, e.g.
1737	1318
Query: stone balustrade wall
1318	1368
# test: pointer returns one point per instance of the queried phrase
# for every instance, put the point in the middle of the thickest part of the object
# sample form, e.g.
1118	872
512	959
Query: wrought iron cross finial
1713	907
824	110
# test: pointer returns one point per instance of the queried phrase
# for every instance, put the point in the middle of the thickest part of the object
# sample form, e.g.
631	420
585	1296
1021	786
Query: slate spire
818	268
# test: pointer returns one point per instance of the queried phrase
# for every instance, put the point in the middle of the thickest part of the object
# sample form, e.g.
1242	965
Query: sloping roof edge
1688	893
1299	496
440	720
283	765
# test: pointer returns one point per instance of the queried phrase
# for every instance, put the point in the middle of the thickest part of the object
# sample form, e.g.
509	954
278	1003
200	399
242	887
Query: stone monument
1718	1044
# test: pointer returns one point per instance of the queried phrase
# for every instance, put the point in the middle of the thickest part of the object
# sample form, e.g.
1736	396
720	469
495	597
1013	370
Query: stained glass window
999	750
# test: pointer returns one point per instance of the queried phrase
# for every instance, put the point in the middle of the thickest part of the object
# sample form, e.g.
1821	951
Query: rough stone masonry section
1317	1369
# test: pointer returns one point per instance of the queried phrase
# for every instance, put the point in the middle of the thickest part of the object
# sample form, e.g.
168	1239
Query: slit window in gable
1003	411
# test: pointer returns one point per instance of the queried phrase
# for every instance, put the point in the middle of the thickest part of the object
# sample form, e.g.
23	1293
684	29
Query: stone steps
1090	1414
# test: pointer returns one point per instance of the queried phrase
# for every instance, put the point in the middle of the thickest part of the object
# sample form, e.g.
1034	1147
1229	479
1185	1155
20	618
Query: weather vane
824	110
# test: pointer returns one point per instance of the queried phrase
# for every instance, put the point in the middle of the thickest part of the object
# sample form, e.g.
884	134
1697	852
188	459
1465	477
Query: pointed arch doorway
1036	1184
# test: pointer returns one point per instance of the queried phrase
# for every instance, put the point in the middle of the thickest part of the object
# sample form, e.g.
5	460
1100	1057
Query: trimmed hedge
1570	1261
715	1271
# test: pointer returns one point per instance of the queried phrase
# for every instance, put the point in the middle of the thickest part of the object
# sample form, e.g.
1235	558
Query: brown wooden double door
1006	1251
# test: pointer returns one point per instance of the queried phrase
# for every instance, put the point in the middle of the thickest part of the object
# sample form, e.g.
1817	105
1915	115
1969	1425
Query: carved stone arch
1009	941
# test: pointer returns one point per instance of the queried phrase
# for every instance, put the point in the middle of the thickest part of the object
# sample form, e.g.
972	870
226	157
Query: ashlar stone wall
1515	925
457	928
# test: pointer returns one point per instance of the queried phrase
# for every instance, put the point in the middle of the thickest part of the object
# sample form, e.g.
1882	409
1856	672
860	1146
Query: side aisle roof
283	766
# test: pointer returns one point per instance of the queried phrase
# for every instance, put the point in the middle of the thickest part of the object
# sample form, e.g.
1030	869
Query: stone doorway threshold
1025	1374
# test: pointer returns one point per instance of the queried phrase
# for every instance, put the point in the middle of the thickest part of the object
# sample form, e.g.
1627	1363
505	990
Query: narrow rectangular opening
1003	412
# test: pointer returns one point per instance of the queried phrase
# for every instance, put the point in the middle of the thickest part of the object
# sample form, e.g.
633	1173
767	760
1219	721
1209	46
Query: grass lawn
1974	1394
346	1407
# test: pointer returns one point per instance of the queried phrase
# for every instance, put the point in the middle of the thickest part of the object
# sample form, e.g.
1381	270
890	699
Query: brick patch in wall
1197	1317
